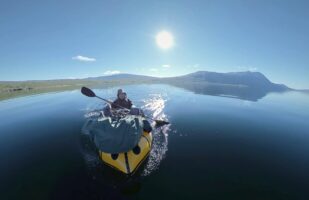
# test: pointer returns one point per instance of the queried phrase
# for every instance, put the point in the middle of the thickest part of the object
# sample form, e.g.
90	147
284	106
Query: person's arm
130	103
115	103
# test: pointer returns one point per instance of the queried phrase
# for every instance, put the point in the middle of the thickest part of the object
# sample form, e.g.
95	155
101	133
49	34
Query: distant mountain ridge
247	78
248	85
250	79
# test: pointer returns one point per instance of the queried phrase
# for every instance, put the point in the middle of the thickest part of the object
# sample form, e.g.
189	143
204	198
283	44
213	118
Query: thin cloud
195	66
71	77
247	68
111	72
83	58
153	69
166	66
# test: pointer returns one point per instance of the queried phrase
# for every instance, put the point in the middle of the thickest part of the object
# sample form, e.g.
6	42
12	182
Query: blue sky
67	39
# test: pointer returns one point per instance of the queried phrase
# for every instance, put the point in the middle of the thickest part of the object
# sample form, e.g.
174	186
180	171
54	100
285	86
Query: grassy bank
12	89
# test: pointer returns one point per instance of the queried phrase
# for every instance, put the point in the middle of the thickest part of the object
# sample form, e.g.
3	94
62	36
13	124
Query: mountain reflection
232	91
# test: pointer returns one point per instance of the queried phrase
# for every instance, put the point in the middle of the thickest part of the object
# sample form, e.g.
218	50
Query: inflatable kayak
123	138
122	143
128	162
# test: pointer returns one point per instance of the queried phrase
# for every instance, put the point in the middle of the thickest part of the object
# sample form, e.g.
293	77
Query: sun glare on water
164	40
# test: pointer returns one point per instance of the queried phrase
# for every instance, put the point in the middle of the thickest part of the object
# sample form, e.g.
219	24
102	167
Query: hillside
244	85
254	80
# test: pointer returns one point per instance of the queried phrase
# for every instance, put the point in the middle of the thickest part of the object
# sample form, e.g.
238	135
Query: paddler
122	100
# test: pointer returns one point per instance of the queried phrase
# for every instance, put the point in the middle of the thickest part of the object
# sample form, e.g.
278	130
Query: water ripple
155	106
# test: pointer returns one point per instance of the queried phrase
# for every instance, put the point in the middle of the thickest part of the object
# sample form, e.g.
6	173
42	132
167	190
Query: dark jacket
126	103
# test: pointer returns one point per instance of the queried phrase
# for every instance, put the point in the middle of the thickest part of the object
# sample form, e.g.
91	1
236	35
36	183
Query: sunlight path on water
155	104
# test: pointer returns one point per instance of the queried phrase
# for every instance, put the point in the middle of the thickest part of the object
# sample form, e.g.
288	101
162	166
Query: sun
165	40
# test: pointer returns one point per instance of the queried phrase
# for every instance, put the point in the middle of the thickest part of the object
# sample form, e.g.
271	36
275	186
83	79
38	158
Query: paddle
89	93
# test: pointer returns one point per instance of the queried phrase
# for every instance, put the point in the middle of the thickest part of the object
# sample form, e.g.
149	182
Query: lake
215	147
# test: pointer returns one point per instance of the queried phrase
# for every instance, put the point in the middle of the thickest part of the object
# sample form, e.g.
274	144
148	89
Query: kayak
122	142
128	162
131	136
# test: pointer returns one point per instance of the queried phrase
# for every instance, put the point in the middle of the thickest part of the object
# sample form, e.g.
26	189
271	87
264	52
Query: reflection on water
154	107
231	91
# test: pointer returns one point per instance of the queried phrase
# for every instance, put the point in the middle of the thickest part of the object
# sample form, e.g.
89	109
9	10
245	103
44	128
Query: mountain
250	86
242	85
254	80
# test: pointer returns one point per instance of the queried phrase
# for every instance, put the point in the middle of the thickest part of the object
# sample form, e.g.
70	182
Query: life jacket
126	103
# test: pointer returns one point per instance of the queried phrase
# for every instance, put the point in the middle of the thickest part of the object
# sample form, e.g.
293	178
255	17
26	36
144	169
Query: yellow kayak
128	162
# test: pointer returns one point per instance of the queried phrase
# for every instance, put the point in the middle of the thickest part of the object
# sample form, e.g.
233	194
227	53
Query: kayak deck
128	162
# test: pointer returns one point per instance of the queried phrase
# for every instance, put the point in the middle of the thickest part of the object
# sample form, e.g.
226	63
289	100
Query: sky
75	39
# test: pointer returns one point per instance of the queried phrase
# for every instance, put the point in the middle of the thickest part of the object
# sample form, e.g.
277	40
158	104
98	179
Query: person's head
122	96
119	92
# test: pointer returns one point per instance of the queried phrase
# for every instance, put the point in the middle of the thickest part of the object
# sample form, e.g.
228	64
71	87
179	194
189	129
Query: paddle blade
87	92
161	123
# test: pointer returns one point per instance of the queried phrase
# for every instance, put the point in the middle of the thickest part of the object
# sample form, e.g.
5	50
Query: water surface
216	147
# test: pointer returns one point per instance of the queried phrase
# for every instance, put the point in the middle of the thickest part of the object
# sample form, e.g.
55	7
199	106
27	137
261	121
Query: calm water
215	148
